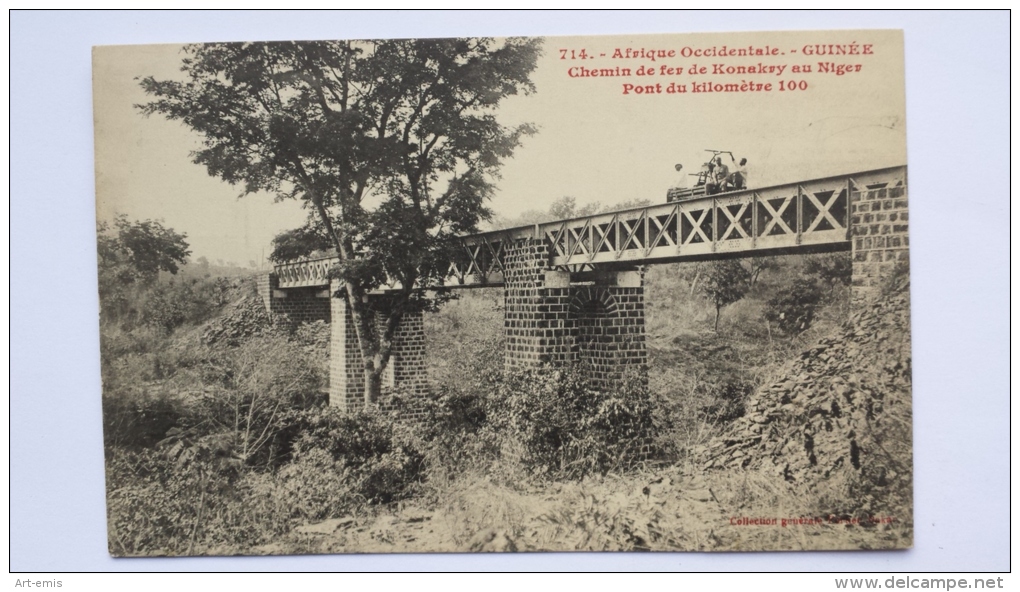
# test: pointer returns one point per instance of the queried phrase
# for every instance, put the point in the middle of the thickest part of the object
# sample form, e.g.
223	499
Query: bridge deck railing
776	218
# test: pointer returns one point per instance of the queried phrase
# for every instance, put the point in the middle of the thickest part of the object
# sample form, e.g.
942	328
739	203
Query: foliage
210	455
246	319
309	240
590	520
628	204
897	281
254	391
725	282
312	487
267	379
564	425
163	502
465	334
218	440
566	207
131	255
759	265
406	124
140	420
138	251
793	308
380	455
832	270
728	403
168	305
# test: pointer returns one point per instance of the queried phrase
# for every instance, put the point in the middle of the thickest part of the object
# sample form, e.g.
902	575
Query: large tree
131	257
393	145
138	251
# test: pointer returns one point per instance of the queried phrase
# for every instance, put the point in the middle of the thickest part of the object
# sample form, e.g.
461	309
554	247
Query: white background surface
958	152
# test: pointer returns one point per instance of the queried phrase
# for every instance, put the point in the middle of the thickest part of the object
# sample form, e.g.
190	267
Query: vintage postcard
610	293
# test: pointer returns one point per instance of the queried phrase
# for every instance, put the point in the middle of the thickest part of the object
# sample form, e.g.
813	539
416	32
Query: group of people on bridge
714	177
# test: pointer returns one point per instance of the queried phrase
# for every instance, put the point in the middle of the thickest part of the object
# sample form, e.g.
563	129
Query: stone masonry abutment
879	239
296	305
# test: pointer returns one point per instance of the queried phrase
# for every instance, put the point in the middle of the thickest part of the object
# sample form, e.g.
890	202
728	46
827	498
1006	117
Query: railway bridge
574	289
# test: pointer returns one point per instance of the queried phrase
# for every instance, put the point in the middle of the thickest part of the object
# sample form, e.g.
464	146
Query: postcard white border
958	71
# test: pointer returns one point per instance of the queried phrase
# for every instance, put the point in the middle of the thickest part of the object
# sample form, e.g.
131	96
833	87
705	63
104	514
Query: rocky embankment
843	404
242	320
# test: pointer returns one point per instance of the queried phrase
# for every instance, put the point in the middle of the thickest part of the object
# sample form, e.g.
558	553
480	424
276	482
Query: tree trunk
717	309
376	355
694	283
369	342
373	386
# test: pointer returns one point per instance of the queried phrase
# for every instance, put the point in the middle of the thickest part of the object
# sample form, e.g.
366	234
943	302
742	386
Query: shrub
898	280
192	500
131	257
449	415
607	515
793	308
312	488
140	419
728	404
170	304
831	269
159	503
265	383
381	455
191	492
563	425
256	391
247	319
725	283
465	338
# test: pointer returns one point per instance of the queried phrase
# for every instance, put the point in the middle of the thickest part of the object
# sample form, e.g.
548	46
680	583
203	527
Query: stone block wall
406	373
550	321
407	359
537	308
346	372
265	284
297	305
609	331
879	239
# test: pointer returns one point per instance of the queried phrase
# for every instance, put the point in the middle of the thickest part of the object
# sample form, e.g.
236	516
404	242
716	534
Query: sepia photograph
602	293
661	315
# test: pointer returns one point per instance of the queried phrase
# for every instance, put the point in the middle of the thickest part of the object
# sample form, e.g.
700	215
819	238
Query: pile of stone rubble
241	321
843	403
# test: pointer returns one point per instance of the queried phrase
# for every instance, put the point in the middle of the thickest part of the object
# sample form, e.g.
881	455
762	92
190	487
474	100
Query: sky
597	140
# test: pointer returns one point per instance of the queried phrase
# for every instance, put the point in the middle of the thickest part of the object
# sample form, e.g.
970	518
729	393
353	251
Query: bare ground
654	510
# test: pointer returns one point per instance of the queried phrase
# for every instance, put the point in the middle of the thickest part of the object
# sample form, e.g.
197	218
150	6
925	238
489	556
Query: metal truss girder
781	217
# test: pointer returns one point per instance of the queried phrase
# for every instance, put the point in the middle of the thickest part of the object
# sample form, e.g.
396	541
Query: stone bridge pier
406	370
551	317
554	317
